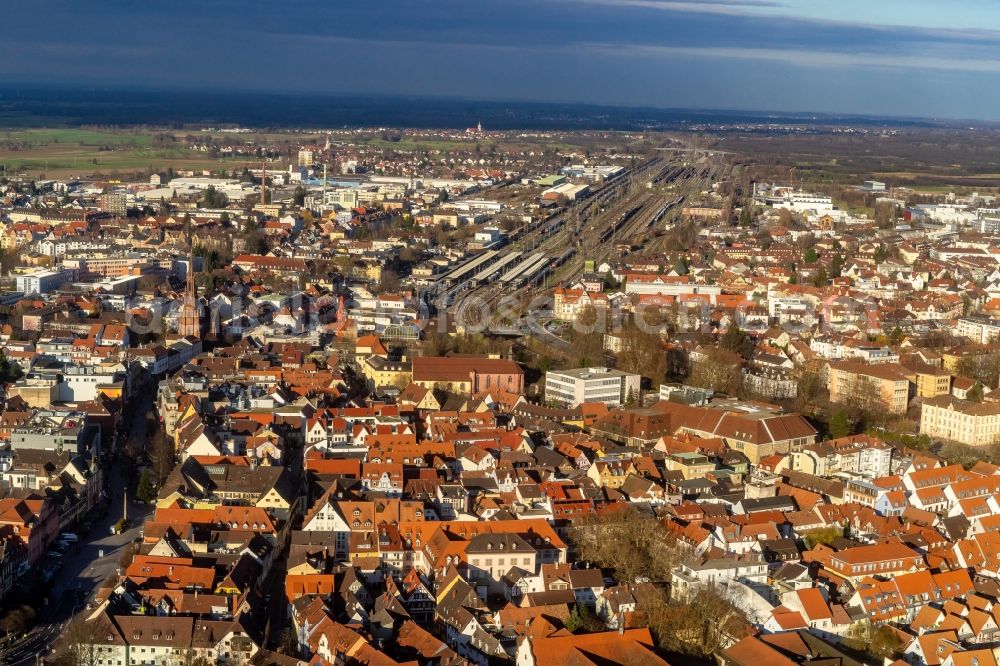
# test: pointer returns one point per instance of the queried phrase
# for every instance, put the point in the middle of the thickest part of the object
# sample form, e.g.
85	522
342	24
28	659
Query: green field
79	136
67	152
95	151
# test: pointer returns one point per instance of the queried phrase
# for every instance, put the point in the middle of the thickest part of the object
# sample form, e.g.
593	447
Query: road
86	565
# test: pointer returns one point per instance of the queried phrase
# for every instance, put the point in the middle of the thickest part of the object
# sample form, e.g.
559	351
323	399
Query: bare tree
720	371
83	641
700	626
642	353
636	546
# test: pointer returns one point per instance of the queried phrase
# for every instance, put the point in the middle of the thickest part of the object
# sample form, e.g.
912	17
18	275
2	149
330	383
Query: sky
916	58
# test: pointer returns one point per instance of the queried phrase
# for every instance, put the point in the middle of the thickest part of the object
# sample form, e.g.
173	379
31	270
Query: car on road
55	554
69	536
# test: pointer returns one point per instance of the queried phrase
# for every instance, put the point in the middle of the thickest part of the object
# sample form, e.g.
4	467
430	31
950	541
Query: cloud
805	58
733	7
787	15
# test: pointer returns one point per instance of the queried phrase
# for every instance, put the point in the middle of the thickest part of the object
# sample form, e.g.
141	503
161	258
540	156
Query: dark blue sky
931	58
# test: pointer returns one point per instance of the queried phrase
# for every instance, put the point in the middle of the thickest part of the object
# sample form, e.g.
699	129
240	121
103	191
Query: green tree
975	393
840	424
837	265
810	257
820	278
256	243
146	490
736	341
9	372
632	400
582	620
213	198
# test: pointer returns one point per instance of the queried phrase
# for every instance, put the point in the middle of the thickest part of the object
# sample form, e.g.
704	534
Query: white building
488	235
978	329
800	203
573	387
44	280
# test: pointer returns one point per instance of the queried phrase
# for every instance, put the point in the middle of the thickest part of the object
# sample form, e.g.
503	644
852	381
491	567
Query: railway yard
630	213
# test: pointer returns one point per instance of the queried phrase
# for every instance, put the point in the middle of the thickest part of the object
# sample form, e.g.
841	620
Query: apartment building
877	386
570	388
965	421
691	465
929	381
569	304
884	559
980	330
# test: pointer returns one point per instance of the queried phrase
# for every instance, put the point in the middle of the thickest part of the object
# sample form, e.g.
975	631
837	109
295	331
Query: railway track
587	229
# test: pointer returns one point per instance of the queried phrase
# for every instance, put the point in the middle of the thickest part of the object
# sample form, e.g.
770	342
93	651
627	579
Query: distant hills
29	107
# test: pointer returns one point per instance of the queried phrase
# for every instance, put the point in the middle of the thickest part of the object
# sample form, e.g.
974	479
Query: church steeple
190	319
191	286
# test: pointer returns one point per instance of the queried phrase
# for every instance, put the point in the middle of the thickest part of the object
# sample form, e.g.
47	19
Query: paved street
86	565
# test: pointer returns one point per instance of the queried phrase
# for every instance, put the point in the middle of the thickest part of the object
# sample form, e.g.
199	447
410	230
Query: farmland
69	152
